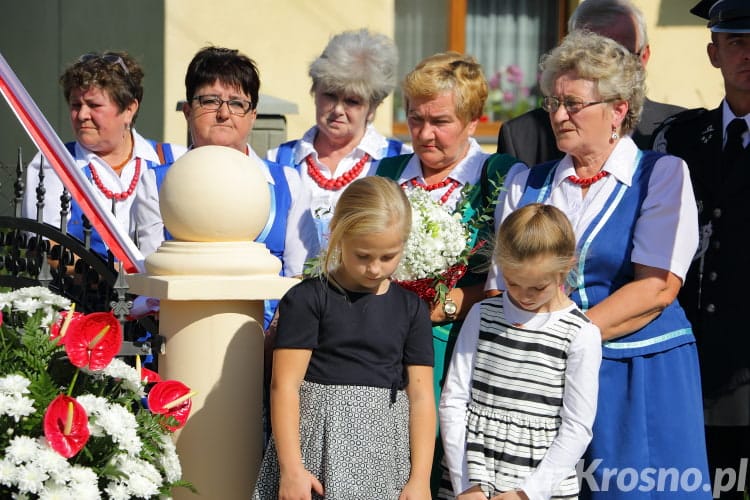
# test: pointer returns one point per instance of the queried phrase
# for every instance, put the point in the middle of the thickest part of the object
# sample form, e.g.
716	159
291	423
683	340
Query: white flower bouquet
437	251
76	422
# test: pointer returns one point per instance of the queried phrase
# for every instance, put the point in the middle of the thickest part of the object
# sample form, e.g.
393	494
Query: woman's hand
298	484
473	493
415	490
511	495
464	298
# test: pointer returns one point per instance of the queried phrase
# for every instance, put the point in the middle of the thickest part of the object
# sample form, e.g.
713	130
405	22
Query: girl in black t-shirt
352	403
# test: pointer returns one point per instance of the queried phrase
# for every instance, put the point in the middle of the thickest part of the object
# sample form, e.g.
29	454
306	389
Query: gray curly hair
615	71
358	63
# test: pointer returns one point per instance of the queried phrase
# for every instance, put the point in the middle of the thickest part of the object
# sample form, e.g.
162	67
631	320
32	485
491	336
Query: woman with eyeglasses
350	79
104	92
222	87
635	219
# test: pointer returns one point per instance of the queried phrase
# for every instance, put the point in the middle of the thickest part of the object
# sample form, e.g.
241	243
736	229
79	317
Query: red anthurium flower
66	320
94	340
149	376
171	398
66	426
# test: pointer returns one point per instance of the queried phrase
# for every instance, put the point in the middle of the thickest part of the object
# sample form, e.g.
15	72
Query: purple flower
515	74
495	81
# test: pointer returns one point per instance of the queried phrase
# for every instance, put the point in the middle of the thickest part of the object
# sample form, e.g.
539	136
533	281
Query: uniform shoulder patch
677	120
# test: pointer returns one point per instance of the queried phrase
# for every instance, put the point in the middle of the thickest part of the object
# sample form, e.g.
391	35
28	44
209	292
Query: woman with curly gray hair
635	220
104	92
350	79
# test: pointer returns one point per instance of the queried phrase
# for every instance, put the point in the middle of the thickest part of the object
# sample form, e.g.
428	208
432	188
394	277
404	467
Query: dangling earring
614	135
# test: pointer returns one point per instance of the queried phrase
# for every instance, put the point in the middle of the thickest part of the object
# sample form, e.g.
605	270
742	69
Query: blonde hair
449	72
367	206
536	230
615	71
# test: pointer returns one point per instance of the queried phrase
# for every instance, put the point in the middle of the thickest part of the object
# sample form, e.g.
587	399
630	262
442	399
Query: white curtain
500	33
421	30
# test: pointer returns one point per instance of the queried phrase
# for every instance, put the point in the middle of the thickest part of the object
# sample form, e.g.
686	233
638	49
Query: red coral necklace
117	196
431	187
587	181
339	182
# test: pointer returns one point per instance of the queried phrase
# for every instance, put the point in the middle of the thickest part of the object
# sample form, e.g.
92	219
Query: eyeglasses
107	58
239	107
571	104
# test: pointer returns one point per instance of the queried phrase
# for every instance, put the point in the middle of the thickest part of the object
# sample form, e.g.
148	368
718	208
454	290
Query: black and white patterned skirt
353	439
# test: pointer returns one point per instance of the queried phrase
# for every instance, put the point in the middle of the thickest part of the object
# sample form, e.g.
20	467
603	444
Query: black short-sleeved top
356	338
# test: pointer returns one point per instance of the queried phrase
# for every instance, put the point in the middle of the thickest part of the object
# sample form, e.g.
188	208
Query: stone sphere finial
214	193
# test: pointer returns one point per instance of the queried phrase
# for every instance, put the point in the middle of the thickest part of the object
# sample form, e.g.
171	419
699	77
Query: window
506	36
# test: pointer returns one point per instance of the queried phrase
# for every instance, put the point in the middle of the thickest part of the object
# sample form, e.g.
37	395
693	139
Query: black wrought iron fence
34	253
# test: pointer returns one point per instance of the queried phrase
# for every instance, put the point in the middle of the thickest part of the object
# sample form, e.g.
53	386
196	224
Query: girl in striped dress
520	396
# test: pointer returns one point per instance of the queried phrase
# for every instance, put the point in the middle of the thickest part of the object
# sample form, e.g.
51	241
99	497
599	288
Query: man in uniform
714	145
529	137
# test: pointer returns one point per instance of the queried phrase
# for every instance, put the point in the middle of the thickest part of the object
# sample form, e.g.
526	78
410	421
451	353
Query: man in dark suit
529	137
715	146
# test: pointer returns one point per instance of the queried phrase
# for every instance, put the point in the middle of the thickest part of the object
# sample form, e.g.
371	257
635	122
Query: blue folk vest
605	264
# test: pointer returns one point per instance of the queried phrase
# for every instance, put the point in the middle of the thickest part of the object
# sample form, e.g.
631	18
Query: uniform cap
728	16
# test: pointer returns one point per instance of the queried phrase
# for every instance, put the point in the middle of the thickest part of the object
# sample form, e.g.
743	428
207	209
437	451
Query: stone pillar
211	281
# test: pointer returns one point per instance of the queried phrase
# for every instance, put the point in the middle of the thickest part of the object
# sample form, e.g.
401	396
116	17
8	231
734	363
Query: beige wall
282	36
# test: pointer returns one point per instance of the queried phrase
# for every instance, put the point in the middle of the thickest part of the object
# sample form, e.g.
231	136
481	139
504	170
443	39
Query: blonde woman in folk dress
352	405
445	95
520	396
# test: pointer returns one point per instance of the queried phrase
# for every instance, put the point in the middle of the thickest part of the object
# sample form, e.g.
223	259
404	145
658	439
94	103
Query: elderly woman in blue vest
222	95
635	220
350	79
445	96
104	94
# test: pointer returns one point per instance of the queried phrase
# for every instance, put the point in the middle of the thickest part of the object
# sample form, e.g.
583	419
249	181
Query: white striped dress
516	398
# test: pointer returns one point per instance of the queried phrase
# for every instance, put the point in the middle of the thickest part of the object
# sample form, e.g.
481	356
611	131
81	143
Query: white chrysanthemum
117	490
28	305
83	480
437	239
52	463
169	459
57	491
94	406
119	423
143	479
43	294
16	406
14	384
31	478
22	449
8	472
128	376
32	299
